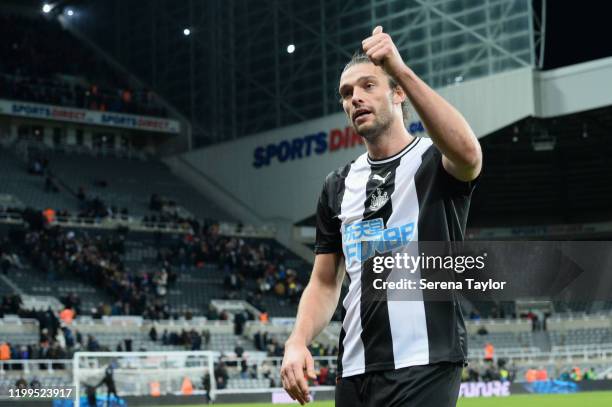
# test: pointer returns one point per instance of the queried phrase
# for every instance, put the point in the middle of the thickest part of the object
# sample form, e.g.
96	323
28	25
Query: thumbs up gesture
381	50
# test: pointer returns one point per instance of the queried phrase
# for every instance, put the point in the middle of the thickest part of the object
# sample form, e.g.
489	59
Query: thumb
310	367
377	30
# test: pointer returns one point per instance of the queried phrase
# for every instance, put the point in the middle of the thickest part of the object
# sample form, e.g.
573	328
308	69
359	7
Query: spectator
92	344
576	374
5	351
257	339
35	383
238	350
531	375
541	375
153	334
206	337
221	375
590	374
128	344
165	338
67	315
489	351
239	321
21	383
196	340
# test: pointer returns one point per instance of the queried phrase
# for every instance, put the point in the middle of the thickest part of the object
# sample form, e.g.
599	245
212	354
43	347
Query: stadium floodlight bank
145	373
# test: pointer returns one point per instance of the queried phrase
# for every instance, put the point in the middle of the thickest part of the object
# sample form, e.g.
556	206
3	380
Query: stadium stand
517	178
243	366
32	71
131	186
29	189
193	274
590	336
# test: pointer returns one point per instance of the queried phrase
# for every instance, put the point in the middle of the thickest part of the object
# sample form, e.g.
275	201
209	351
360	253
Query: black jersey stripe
445	324
336	205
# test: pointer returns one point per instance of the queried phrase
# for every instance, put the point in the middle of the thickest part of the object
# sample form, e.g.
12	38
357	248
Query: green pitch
591	399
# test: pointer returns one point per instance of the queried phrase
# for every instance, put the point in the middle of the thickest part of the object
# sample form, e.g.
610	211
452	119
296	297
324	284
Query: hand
297	359
382	52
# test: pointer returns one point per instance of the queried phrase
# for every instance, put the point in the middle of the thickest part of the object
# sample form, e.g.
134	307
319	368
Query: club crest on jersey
379	199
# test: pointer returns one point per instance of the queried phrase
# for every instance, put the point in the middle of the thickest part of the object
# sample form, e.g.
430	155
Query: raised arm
448	129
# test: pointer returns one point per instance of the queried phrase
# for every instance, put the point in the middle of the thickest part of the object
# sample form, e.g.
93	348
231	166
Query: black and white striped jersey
410	197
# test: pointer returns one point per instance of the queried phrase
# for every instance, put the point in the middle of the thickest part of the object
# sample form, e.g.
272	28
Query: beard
372	132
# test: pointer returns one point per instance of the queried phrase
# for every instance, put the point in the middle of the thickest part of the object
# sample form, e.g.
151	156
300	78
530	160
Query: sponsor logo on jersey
362	240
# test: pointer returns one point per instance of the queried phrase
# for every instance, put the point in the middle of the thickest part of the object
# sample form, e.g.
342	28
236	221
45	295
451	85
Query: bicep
465	173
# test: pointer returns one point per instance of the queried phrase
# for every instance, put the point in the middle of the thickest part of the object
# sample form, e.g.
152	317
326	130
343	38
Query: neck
390	142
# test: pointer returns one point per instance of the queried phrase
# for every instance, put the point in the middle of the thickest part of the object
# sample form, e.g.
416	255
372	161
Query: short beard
372	134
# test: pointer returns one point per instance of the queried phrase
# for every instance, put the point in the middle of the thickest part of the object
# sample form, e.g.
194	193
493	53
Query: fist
382	51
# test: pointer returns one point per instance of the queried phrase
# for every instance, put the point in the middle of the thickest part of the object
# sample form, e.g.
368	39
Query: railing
558	353
509	353
580	316
24	324
233	229
108	222
140	225
35	366
602	351
137	325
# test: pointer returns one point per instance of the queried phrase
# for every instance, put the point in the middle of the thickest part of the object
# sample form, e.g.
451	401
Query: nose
357	99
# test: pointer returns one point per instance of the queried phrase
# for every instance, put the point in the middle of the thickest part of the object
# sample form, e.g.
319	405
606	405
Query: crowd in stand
488	372
37	58
61	253
53	341
577	375
252	269
242	261
90	206
166	210
190	340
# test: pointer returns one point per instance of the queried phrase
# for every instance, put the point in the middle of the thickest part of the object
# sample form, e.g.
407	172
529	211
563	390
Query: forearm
316	309
447	128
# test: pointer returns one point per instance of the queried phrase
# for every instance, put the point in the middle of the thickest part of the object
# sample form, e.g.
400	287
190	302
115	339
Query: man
392	353
109	381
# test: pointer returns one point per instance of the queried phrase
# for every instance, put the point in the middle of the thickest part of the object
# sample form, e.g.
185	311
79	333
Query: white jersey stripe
408	317
353	358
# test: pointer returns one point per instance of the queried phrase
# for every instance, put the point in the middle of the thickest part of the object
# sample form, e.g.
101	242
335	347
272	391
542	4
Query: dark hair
361	58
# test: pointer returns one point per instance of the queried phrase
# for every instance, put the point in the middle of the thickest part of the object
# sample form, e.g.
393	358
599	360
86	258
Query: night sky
577	31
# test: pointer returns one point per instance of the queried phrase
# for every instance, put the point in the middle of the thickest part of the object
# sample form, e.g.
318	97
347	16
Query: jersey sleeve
328	236
456	186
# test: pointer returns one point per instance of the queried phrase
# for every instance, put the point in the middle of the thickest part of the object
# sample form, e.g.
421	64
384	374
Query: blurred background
160	163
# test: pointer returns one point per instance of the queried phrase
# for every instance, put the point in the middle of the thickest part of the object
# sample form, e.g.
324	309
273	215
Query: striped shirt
408	197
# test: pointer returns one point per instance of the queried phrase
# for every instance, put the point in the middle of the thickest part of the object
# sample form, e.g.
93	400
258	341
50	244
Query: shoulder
339	174
432	170
426	147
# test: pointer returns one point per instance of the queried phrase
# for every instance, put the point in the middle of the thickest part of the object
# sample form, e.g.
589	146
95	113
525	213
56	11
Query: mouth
361	114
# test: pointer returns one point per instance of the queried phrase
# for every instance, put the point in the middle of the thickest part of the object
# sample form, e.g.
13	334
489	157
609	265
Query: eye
370	85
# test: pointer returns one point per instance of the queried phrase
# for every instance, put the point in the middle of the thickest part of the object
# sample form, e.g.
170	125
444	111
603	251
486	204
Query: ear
399	95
